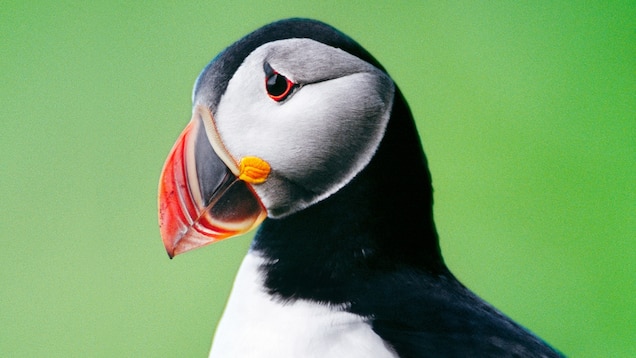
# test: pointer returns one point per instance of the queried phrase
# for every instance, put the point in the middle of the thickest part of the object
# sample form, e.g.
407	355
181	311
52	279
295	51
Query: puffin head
282	119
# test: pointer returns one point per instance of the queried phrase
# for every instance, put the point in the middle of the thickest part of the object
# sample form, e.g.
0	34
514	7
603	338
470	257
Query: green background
527	113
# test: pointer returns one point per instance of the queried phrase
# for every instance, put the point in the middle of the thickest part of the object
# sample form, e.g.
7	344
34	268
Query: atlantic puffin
297	130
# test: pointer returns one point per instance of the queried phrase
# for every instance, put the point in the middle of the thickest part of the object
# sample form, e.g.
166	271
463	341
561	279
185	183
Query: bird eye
278	86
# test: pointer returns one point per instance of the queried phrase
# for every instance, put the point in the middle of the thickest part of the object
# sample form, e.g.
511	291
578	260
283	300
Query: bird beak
203	198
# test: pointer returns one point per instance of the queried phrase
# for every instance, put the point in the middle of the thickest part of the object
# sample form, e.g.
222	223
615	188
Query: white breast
256	325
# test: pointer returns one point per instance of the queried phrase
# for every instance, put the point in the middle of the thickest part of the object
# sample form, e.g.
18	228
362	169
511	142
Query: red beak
201	200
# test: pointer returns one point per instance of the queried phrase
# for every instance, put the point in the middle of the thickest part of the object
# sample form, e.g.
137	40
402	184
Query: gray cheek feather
327	149
339	131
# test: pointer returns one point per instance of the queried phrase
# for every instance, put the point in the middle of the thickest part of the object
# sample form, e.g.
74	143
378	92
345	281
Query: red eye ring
278	87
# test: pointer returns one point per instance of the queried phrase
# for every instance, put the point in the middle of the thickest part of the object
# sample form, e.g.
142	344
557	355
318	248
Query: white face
316	139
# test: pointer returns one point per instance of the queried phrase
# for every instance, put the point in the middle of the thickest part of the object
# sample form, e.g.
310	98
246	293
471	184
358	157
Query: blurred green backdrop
527	113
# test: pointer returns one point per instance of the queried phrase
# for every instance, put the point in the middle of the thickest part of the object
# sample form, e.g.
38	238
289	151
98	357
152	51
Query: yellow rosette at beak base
253	170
